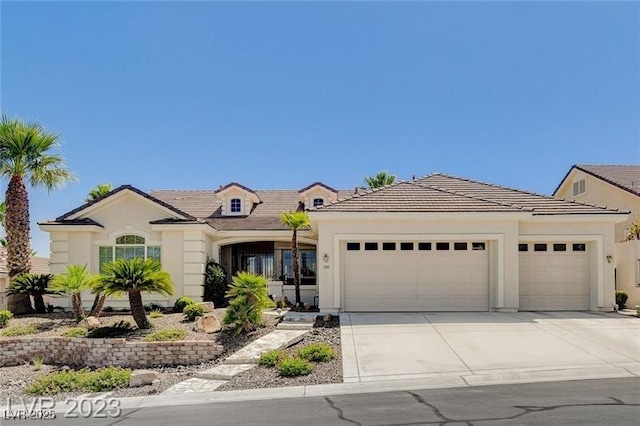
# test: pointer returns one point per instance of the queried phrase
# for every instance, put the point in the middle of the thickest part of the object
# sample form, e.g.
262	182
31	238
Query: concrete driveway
489	348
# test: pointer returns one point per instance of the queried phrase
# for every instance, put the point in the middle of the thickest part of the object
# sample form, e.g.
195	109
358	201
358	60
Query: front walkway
489	348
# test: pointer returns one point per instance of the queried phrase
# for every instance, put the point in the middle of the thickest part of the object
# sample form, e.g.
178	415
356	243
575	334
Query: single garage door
554	276
416	276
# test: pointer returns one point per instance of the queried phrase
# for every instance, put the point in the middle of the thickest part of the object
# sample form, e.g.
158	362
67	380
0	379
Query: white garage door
554	276
416	276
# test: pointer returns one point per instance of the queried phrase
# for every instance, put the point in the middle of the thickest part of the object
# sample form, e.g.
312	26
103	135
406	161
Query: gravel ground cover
325	372
13	380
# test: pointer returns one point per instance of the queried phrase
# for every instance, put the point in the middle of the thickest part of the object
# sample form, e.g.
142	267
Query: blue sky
278	95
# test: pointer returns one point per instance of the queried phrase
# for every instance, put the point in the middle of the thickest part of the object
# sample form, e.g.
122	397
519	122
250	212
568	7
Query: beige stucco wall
628	279
604	194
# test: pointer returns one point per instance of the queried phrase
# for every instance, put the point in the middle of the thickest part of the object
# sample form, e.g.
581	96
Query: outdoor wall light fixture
609	258
325	258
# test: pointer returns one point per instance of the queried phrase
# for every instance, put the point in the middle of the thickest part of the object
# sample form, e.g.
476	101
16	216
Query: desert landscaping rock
208	306
90	323
142	378
208	323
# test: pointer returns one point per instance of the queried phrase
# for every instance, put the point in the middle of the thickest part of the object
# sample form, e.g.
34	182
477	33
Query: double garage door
416	276
454	276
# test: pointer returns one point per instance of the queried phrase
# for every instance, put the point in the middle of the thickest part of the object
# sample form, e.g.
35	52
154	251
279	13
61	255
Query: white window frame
111	243
579	187
313	201
239	212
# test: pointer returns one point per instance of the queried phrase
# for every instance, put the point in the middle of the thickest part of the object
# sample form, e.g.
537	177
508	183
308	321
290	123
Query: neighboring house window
127	247
236	205
317	202
579	187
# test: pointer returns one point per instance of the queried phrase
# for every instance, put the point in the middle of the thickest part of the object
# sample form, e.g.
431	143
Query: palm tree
295	221
98	191
381	179
249	295
133	277
25	156
36	285
76	280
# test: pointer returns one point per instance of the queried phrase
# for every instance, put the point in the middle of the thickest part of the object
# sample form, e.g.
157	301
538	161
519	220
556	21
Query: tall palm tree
25	156
133	277
36	285
295	221
98	191
76	280
381	179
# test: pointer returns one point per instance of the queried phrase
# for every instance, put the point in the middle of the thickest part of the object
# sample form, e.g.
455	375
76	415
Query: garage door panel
554	280
428	280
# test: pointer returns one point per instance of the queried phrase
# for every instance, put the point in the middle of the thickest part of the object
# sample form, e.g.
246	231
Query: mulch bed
325	372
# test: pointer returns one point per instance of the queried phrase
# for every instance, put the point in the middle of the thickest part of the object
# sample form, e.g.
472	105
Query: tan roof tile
625	176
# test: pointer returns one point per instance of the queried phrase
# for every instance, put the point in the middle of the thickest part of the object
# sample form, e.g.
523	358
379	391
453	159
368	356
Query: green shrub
20	330
153	306
101	380
5	316
75	332
621	299
272	358
249	296
280	303
191	312
116	329
156	314
166	335
181	303
292	367
317	352
215	284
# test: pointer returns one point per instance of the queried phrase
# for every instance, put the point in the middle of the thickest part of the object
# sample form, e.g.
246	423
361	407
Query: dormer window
317	202
317	194
235	205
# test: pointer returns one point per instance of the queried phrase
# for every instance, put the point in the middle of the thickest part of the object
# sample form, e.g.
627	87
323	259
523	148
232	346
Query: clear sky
279	95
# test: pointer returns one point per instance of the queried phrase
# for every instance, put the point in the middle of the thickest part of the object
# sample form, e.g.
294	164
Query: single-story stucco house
616	186
438	243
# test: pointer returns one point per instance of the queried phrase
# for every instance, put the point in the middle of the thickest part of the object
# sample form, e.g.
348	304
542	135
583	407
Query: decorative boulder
208	306
142	378
208	324
90	323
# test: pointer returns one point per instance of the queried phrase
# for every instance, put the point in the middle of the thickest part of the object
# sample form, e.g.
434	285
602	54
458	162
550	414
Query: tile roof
538	203
327	187
204	205
39	265
624	176
413	197
442	193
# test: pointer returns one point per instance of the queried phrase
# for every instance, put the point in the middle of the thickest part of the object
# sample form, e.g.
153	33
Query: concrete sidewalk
488	348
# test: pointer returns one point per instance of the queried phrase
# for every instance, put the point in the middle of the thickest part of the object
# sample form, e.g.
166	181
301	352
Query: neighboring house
439	243
39	265
615	186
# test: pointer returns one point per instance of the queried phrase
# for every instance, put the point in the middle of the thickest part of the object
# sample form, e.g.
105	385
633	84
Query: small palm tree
381	179
76	280
295	221
249	295
36	285
133	277
25	156
98	191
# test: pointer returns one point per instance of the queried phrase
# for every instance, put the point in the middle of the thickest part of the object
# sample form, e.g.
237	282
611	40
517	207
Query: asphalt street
585	402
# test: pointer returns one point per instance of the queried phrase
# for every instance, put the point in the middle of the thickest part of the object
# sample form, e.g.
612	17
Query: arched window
127	247
318	202
235	205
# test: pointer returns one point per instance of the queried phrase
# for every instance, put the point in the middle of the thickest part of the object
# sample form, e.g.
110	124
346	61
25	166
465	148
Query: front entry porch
273	260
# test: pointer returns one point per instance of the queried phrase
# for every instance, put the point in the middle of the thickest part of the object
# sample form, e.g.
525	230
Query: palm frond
123	276
295	220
